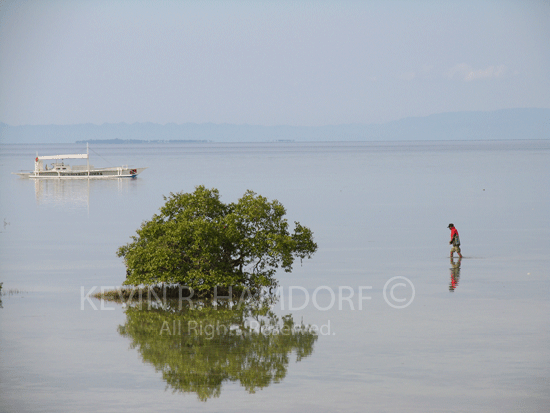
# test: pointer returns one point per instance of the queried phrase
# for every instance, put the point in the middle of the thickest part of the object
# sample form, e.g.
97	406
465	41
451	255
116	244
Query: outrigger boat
59	170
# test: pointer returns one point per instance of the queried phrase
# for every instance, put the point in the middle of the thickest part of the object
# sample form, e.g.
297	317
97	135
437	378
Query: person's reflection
455	273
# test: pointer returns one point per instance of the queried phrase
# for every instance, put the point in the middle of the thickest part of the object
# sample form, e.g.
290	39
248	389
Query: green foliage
197	350
198	241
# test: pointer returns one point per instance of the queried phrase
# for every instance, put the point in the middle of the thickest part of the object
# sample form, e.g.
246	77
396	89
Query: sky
299	63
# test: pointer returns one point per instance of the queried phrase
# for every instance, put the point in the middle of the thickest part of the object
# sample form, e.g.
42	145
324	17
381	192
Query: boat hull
104	173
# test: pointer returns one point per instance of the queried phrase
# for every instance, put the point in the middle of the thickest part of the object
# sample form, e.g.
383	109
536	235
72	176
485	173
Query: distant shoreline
125	141
171	141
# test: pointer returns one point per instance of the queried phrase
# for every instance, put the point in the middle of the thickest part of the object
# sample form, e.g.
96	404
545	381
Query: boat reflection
199	349
455	273
73	192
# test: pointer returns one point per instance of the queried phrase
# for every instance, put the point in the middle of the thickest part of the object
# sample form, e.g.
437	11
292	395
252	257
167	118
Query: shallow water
378	211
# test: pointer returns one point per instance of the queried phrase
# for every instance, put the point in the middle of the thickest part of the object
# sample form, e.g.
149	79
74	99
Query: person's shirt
453	232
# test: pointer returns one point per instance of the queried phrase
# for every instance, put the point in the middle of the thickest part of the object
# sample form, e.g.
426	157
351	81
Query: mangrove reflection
455	273
199	349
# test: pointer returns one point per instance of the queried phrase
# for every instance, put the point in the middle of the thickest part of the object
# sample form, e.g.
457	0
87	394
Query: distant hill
497	125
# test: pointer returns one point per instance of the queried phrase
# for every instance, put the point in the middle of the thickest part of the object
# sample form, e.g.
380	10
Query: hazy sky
268	62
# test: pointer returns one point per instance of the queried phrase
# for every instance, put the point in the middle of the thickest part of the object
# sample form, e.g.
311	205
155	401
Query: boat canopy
75	156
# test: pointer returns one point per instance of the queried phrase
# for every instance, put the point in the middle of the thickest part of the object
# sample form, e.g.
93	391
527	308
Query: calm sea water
471	336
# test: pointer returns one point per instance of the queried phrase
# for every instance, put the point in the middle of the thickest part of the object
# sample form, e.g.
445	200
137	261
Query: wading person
455	241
